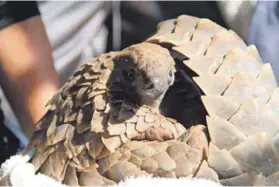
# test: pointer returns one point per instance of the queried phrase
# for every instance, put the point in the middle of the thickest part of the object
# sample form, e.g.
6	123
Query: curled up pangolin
146	110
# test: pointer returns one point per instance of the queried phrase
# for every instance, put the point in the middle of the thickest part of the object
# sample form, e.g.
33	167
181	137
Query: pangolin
193	100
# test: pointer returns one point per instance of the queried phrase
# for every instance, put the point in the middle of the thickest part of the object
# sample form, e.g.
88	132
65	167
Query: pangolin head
147	71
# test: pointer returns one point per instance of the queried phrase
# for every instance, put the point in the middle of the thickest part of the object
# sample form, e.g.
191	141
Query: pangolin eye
130	75
170	73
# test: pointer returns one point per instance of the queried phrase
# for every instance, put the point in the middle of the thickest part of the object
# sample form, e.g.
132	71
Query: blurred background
80	30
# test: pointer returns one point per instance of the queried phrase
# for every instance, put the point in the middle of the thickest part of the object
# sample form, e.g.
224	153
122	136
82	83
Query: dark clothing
9	143
15	11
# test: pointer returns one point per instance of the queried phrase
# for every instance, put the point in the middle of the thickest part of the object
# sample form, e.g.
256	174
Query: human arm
28	77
